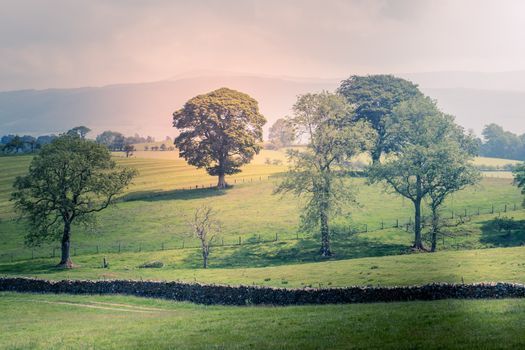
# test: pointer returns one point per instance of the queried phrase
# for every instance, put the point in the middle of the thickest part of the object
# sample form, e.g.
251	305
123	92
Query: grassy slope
487	265
117	322
248	210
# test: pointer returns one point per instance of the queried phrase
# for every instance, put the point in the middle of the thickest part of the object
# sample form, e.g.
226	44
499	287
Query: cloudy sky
66	43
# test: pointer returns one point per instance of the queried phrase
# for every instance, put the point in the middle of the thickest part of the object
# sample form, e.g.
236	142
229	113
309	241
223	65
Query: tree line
113	140
499	143
417	152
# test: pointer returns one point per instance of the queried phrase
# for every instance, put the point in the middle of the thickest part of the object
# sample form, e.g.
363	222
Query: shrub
152	265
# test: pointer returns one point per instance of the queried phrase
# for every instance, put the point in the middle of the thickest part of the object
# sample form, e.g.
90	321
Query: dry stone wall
247	295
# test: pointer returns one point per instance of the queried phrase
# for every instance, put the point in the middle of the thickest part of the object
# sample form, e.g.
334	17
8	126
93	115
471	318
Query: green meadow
118	322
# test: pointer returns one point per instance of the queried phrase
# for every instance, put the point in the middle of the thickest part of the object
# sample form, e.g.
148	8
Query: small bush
152	265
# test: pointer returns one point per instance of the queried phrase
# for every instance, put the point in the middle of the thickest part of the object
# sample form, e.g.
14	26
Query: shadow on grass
153	196
503	232
29	267
292	252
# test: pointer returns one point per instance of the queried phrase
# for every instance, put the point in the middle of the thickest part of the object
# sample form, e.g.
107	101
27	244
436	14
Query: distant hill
144	108
475	99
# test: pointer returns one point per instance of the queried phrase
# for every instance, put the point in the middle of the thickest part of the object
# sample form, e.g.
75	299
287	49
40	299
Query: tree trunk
205	253
325	236
376	156
222	181
66	262
418	244
435	229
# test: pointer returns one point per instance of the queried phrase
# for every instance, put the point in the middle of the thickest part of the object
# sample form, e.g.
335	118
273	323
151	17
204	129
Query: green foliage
219	131
113	140
519	178
282	133
434	159
502	144
81	131
374	98
333	137
68	181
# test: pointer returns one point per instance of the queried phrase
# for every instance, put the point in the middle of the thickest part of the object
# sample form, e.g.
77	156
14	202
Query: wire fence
54	251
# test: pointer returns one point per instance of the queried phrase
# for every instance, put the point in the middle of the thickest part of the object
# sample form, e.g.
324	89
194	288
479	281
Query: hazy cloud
59	43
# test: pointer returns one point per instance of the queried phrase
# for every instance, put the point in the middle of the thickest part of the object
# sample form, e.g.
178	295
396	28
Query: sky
73	43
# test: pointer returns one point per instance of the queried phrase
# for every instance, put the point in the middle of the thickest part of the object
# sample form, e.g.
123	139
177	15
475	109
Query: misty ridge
475	99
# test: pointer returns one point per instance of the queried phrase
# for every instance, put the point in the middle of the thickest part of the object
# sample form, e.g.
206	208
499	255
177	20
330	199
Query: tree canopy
219	131
81	131
374	98
69	181
281	133
499	143
430	138
318	172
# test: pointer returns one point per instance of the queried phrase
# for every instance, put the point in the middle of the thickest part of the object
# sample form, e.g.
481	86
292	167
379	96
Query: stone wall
246	295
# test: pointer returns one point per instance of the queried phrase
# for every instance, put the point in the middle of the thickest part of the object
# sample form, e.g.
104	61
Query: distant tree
69	181
430	138
81	131
150	139
219	131
325	119
30	142
499	143
45	139
154	148
15	145
163	147
205	227
129	149
281	134
519	178
114	141
374	97
6	139
146	148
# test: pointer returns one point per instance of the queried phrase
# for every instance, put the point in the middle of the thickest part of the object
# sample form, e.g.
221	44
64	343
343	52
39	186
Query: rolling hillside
475	99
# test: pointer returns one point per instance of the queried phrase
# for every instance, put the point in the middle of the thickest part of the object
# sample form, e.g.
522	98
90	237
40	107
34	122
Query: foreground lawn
32	321
470	266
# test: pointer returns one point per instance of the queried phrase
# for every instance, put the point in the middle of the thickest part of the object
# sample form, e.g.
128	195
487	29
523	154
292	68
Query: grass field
149	223
469	266
153	215
117	322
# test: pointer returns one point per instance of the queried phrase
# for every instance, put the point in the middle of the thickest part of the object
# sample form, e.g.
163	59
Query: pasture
152	215
116	322
260	245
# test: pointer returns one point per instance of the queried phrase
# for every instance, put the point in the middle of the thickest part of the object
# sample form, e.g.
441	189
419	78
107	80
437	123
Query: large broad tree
69	181
430	137
281	133
219	131
317	173
374	98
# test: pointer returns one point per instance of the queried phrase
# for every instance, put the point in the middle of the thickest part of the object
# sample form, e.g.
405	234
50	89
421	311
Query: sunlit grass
119	322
